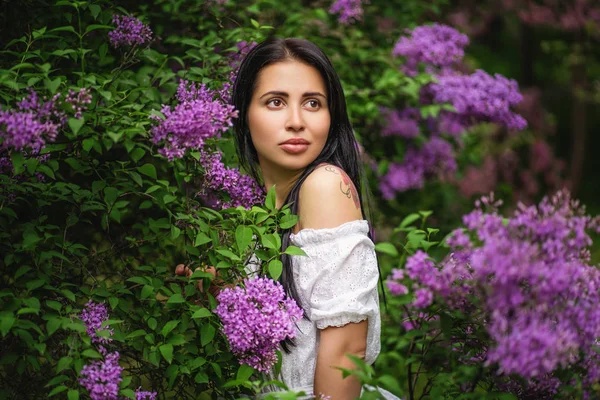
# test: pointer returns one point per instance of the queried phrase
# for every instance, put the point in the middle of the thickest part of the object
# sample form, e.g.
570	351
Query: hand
183	270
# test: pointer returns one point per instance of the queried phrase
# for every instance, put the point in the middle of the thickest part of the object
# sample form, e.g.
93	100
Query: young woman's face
288	116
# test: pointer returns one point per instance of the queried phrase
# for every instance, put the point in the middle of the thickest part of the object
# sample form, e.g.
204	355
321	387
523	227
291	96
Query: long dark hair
340	149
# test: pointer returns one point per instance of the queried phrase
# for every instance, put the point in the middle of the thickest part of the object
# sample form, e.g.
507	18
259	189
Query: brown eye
275	102
314	103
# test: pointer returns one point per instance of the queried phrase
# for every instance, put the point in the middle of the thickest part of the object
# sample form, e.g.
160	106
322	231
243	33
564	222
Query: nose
295	121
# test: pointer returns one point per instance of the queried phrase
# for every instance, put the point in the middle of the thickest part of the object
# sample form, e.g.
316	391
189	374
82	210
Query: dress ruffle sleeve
337	281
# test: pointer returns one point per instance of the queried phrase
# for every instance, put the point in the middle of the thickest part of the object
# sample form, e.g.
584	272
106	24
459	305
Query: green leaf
110	195
271	198
52	325
115	136
114	302
167	352
202	313
177	298
134	334
386	248
275	269
207	334
136	154
57	390
67	28
63	364
229	254
129	393
147	291
94	10
52	85
18	161
55	305
201	238
93	27
409	219
68	294
244	373
271	241
243	237
169	326
73	393
148	170
22	271
91	353
288	221
294	251
75	124
6	322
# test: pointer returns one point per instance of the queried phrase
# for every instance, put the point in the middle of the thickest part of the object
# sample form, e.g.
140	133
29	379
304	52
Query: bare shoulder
328	198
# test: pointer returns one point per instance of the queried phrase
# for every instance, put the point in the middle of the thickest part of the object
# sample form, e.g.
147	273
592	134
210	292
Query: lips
294	145
296	141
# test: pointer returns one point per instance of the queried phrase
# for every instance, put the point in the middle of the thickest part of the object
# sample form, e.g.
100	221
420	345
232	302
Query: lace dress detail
337	284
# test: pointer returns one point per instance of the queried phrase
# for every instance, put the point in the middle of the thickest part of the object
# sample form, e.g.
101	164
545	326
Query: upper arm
328	198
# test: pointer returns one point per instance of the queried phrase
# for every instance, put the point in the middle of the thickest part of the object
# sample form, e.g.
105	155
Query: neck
283	181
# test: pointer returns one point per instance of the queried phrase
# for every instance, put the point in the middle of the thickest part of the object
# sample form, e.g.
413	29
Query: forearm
329	380
334	346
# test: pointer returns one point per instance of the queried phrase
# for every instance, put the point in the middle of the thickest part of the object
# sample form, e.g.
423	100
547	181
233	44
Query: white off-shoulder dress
337	284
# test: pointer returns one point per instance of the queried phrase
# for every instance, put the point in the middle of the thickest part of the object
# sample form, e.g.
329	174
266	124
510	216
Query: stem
81	53
29	43
411	393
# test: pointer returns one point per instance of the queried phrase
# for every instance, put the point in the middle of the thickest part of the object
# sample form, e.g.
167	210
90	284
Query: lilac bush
538	291
474	99
256	318
198	116
129	32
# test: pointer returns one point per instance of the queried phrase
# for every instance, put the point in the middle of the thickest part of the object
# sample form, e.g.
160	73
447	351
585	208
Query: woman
293	132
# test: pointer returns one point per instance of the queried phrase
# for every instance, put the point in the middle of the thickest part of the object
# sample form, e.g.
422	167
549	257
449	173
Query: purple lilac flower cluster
129	32
532	271
349	11
480	97
34	123
102	378
435	157
476	98
242	189
79	100
434	45
402	123
142	395
93	315
256	318
197	117
243	48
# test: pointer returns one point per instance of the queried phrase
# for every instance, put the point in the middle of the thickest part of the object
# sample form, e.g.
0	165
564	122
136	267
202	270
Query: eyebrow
284	94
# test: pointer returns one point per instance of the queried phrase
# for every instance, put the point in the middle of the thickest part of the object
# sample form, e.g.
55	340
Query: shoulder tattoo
346	185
